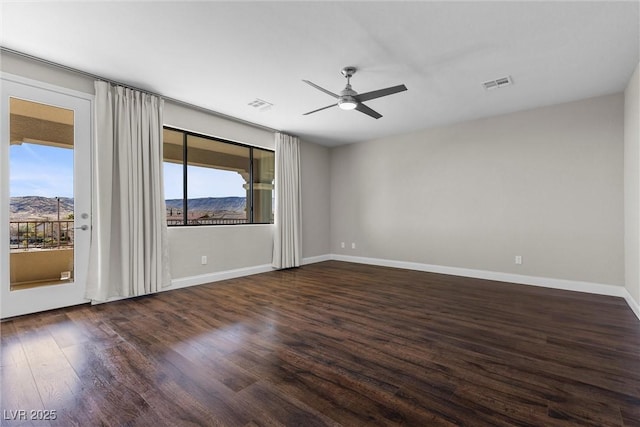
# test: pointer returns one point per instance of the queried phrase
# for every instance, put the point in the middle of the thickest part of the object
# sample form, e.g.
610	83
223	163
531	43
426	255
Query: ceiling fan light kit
347	103
349	99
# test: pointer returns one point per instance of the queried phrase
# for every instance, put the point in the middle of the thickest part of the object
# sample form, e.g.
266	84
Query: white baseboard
232	274
314	259
217	276
202	279
569	285
635	307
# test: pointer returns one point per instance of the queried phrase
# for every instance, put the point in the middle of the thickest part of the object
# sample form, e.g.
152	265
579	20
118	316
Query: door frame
25	301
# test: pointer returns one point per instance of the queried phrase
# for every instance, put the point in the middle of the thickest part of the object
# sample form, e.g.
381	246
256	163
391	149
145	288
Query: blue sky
39	170
203	182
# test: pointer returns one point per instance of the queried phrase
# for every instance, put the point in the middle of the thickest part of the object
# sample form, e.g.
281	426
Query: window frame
185	183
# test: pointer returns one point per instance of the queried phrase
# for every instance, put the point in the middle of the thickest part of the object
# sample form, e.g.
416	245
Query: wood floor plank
12	352
19	395
271	407
331	343
503	407
57	382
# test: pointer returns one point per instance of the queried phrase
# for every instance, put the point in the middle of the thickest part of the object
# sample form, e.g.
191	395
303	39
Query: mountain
211	204
37	207
40	207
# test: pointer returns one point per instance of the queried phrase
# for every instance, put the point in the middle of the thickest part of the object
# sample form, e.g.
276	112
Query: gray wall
315	166
632	185
20	66
545	184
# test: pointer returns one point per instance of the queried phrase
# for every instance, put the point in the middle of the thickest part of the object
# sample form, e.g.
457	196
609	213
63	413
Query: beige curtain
129	252
287	249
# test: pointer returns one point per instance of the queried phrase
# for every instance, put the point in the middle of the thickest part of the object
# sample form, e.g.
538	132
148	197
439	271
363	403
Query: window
220	182
41	190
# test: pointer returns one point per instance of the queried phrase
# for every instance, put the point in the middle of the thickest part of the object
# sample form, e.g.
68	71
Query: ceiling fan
349	99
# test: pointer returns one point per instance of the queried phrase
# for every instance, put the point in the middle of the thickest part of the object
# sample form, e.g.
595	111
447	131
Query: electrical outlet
342	245
203	260
353	245
518	259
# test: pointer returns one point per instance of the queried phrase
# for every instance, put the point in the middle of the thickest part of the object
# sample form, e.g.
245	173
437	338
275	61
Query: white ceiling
223	55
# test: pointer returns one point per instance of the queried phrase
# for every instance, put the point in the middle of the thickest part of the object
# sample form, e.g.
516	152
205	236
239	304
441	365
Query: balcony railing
41	234
206	221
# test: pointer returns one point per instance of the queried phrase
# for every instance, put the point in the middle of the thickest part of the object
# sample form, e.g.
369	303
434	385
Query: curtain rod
166	98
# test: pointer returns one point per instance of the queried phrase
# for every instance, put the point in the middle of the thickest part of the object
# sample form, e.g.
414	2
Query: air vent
260	104
494	84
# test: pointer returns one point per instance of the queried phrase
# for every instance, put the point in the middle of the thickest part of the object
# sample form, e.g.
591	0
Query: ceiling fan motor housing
347	100
348	91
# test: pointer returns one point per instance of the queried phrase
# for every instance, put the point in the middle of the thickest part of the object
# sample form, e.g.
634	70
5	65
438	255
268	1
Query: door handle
84	227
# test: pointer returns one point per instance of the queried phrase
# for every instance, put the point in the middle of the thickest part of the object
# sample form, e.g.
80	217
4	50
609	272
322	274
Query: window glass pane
41	190
173	176
217	177
263	173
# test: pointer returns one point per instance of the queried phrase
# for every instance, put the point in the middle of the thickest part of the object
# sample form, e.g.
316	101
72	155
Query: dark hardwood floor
331	343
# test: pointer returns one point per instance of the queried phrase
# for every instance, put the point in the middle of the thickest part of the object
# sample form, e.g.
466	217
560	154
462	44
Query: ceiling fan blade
320	109
368	111
321	89
380	93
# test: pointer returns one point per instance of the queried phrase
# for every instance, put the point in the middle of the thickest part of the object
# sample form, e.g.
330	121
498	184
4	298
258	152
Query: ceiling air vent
260	104
494	84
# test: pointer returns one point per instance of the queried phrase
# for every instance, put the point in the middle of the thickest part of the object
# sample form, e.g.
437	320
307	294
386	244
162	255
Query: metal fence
206	221
47	234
